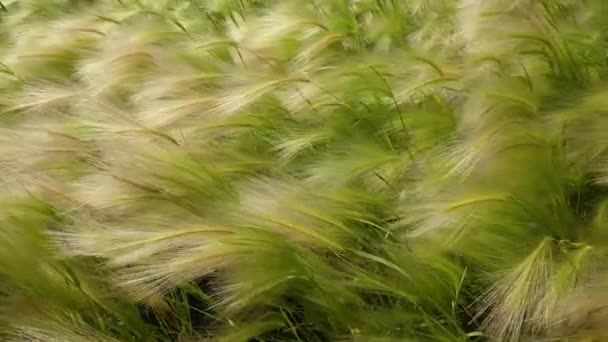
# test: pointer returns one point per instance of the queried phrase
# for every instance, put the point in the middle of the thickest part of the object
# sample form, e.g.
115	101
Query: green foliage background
304	170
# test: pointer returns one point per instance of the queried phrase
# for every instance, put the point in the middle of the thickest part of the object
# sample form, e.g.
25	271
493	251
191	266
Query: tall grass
304	170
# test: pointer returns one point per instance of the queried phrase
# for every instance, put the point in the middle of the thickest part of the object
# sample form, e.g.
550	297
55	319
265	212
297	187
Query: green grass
303	170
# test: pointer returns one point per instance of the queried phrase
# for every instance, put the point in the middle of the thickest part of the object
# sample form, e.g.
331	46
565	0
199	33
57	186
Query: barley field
303	170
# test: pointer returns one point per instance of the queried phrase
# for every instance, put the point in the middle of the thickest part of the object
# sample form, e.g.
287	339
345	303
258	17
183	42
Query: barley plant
303	170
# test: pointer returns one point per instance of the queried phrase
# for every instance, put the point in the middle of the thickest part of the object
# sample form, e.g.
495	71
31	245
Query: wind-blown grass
251	170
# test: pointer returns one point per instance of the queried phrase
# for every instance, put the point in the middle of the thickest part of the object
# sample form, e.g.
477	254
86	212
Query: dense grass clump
303	170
